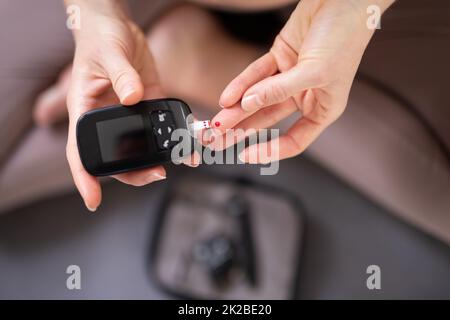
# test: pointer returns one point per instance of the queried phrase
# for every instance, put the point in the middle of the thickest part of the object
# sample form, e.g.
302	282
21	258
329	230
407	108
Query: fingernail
251	102
192	164
127	91
241	157
221	105
91	209
158	177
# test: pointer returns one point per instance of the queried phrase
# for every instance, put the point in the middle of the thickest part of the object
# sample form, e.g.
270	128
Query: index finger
229	117
258	70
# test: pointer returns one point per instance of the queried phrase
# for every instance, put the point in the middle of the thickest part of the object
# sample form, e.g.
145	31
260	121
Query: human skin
118	68
244	4
112	64
93	79
194	55
310	68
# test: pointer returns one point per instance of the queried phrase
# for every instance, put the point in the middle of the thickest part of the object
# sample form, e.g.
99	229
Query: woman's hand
112	64
310	68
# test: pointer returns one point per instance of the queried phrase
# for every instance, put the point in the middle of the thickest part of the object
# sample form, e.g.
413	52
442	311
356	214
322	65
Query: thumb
125	80
280	87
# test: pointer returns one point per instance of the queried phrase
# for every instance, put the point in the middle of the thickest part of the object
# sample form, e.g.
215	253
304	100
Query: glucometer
119	138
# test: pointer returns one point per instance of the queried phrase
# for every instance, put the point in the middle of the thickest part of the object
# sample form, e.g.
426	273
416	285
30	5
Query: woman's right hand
112	64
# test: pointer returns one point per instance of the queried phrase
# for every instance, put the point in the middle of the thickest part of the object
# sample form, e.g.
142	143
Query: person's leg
392	142
208	71
35	47
410	55
194	54
49	105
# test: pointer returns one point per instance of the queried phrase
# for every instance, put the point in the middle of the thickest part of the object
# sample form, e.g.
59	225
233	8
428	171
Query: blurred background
373	190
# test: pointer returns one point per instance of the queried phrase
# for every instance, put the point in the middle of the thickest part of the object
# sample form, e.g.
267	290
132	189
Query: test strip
200	125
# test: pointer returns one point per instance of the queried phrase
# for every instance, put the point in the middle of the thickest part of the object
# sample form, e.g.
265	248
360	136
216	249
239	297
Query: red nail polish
217	124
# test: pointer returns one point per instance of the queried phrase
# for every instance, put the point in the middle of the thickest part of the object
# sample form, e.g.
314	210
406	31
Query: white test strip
200	125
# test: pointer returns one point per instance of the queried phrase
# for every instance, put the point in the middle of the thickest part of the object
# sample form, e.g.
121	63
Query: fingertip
251	102
196	159
223	99
158	176
193	160
256	154
160	171
91	209
223	102
91	194
243	156
229	97
89	188
131	94
142	177
257	71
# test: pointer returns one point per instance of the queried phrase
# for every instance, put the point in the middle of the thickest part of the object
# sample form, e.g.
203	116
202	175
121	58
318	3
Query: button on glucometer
161	118
163	126
164	143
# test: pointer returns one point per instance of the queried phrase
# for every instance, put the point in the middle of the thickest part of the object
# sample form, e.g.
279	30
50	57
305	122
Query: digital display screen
122	138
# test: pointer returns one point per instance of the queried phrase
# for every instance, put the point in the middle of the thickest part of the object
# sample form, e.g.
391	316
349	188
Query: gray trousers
392	143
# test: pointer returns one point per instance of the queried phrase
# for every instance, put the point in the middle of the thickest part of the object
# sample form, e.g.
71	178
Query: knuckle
259	69
118	78
296	146
274	93
240	85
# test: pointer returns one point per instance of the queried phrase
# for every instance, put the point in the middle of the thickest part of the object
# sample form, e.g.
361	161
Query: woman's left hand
310	68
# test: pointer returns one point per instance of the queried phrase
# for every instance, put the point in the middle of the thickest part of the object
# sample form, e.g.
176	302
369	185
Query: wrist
112	8
382	4
92	12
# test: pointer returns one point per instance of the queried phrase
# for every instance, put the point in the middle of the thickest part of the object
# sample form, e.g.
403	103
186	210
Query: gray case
193	210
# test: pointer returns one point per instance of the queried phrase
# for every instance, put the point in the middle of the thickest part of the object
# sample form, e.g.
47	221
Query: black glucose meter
119	138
